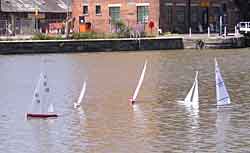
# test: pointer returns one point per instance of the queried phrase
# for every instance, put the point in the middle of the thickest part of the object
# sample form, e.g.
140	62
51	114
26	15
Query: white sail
195	99
81	95
51	108
40	103
45	93
140	82
192	97
222	95
36	106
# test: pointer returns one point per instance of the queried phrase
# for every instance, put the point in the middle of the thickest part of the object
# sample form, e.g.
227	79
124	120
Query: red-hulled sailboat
41	107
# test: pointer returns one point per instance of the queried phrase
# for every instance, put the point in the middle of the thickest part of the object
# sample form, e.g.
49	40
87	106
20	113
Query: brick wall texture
128	13
165	14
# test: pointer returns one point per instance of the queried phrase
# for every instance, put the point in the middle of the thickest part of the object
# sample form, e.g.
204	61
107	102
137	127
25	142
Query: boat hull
76	105
131	101
41	115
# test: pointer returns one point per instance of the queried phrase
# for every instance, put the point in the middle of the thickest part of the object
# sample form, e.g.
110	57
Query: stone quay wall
97	45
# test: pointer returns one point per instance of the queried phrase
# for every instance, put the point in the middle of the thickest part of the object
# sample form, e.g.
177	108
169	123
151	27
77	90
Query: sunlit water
106	122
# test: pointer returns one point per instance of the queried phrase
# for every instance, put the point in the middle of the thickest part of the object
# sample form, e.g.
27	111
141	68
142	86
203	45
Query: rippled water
106	122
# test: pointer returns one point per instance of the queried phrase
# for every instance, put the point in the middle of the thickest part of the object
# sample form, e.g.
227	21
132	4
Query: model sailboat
222	95
78	103
192	98
41	107
133	99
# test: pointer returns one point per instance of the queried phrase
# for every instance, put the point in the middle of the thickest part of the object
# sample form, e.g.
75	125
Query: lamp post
189	15
36	18
67	21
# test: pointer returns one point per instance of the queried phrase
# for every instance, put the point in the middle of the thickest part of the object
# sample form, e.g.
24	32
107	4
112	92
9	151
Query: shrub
122	29
85	35
41	36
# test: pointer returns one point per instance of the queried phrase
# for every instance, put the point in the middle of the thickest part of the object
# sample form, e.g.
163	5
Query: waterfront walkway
24	44
184	36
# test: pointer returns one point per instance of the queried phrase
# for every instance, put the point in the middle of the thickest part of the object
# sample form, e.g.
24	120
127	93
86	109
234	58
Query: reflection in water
41	130
80	112
192	113
222	126
139	116
194	116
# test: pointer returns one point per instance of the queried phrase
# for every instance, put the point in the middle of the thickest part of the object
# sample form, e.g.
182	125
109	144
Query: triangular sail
81	94
222	95
51	108
192	97
140	82
195	98
40	102
46	91
36	106
190	93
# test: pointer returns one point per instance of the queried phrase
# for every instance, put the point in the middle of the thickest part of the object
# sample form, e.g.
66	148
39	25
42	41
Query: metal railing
29	27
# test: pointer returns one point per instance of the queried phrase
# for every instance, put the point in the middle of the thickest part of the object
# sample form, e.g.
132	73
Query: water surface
106	122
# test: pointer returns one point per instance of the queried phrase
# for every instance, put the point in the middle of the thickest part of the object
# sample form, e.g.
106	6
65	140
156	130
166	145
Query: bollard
235	31
208	31
221	25
190	32
225	31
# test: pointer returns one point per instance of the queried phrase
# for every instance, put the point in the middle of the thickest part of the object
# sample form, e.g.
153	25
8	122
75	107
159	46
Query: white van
243	27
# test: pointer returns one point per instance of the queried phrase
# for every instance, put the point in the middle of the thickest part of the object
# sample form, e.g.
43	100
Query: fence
120	26
57	26
31	26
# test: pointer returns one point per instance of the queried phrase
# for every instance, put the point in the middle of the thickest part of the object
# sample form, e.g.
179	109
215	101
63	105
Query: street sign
205	3
38	16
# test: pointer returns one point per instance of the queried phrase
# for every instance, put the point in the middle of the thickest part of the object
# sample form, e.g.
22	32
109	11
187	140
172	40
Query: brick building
102	14
29	16
174	15
167	15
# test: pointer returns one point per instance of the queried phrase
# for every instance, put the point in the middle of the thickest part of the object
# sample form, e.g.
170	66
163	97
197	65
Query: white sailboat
192	98
78	103
41	107
222	95
133	99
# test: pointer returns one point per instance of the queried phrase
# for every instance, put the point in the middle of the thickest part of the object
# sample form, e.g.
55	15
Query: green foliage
93	35
41	36
85	35
122	29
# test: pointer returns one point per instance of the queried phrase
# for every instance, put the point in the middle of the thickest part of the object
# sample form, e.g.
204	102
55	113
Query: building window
142	14
114	13
130	1
85	10
169	14
180	15
98	10
194	15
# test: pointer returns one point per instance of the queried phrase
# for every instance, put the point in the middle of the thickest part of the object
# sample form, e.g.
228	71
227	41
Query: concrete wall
247	39
66	46
214	43
226	43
